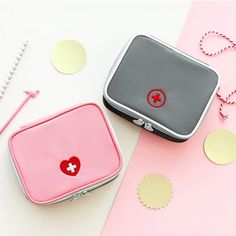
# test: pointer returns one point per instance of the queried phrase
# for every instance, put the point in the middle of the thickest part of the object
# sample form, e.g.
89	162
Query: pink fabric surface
38	151
204	200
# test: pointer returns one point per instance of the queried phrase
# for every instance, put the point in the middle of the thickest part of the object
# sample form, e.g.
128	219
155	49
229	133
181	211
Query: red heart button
70	167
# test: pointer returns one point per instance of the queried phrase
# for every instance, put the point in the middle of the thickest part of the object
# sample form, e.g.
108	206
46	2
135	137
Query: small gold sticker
220	146
68	56
155	191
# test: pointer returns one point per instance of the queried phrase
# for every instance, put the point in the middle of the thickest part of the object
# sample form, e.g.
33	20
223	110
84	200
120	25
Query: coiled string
232	45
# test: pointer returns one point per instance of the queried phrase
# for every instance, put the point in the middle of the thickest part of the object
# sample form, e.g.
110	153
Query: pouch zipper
84	192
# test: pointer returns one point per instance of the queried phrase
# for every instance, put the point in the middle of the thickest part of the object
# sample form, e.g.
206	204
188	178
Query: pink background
204	193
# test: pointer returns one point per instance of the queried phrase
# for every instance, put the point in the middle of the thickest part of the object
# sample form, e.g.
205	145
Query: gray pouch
160	88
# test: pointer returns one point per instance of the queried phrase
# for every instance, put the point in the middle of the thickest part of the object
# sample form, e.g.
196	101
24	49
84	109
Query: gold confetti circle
220	146
155	191
68	56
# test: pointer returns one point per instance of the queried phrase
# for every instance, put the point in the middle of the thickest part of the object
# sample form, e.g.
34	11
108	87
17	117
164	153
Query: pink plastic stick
29	96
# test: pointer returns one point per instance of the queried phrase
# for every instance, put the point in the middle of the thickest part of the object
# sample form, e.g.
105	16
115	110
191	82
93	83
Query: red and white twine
232	45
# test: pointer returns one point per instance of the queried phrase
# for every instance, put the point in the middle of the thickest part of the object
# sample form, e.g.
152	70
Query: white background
103	27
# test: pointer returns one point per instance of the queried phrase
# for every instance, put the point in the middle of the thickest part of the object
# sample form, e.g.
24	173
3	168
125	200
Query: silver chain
5	84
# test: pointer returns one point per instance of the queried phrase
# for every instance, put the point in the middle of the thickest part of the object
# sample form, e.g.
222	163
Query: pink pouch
66	155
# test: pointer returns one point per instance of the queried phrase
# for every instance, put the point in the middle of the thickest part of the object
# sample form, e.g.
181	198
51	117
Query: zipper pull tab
148	126
79	195
138	122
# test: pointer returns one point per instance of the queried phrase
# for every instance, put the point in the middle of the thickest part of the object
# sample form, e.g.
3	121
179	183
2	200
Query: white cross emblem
71	168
